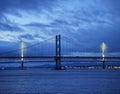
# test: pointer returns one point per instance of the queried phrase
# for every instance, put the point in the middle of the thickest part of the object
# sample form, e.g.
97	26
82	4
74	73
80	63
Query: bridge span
61	59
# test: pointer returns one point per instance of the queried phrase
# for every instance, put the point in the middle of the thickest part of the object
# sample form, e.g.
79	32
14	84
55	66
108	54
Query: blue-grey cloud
37	25
9	27
86	23
113	5
27	36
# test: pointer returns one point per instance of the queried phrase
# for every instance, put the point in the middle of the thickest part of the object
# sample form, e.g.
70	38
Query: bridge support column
103	64
22	65
58	52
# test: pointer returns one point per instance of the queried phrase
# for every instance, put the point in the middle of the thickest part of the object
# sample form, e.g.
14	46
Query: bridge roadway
62	58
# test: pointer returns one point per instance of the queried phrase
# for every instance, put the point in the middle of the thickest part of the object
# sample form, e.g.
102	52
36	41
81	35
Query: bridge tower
22	54
58	52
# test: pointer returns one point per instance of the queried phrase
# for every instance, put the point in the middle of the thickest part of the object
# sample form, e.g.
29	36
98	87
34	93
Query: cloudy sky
83	24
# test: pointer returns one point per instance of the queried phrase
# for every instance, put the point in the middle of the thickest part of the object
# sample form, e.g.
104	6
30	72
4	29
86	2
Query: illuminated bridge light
22	50
103	47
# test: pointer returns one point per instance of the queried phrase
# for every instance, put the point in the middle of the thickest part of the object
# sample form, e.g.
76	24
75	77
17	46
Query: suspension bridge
51	50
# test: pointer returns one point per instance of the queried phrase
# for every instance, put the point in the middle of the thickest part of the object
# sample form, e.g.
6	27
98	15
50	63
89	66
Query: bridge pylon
22	54
58	52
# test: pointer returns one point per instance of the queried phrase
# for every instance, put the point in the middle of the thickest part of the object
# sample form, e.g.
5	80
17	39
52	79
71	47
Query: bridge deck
63	59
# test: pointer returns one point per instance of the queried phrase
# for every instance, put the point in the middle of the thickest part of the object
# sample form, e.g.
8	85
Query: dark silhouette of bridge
57	58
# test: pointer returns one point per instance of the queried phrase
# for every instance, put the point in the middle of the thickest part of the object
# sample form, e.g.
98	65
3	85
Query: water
49	81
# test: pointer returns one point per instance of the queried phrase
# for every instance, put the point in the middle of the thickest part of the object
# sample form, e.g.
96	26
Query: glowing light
103	47
22	50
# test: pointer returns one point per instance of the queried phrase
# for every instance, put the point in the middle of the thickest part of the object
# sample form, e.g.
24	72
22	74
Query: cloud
10	27
83	22
8	36
113	6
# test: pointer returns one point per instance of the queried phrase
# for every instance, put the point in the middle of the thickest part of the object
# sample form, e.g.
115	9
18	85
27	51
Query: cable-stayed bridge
53	50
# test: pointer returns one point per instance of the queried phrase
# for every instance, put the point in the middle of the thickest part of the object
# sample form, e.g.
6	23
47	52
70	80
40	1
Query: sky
82	24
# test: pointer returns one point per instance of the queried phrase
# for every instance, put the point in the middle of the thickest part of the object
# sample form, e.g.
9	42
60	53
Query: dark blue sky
84	23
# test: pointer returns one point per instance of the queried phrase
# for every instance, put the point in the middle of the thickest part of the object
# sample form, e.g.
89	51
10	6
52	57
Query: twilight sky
83	24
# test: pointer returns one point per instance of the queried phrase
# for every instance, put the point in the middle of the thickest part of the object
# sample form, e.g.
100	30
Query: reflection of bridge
57	57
